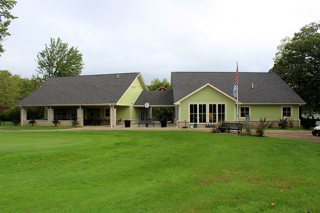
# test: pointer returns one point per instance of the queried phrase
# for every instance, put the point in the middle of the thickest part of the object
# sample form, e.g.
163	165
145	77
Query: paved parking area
293	134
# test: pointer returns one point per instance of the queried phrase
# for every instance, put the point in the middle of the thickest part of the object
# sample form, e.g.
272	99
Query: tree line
297	62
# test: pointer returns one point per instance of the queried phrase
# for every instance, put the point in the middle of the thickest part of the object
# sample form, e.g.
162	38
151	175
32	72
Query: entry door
143	114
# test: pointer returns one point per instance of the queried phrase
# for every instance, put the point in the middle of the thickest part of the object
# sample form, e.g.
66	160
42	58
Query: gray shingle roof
160	98
87	89
268	87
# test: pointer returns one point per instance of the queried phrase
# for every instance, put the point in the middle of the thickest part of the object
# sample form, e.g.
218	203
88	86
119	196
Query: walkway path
286	134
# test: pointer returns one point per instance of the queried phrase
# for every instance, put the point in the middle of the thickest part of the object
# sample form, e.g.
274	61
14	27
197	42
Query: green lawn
35	127
136	171
6	123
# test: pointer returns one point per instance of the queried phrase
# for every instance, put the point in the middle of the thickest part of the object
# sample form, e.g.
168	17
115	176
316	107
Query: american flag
237	77
236	83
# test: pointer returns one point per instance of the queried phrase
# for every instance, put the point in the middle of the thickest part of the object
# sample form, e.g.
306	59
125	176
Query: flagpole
237	97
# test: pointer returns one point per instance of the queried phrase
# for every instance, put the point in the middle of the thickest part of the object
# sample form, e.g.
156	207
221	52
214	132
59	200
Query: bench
150	122
230	126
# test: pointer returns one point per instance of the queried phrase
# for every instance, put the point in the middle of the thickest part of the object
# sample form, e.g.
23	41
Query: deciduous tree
5	19
156	83
13	88
57	59
297	62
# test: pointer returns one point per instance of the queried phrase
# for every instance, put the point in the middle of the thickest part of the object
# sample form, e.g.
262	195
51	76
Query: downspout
111	115
299	115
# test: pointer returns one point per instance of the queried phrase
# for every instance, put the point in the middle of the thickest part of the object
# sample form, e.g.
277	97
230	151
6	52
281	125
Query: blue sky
156	37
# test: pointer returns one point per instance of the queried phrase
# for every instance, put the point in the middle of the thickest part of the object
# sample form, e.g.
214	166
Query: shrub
270	124
74	122
307	123
290	123
260	130
32	122
283	123
245	133
263	122
13	115
56	122
214	130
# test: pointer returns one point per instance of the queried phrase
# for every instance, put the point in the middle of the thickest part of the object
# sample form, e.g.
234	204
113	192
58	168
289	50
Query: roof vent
252	86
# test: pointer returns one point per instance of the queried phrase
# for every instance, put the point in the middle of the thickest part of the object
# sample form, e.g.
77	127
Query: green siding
271	112
207	95
132	93
135	113
123	112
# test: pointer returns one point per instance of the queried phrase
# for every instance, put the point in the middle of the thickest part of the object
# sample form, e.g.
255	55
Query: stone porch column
114	117
23	116
50	113
80	116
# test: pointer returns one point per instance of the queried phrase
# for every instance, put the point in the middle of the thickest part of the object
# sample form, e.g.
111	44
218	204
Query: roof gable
203	87
268	87
81	90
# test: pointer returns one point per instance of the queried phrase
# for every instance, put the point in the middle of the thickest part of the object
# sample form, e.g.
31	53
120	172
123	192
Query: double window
204	113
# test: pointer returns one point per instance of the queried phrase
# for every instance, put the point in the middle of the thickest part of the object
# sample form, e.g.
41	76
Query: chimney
117	76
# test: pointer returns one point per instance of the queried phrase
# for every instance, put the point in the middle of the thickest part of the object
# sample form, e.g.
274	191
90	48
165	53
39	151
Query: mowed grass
36	127
148	171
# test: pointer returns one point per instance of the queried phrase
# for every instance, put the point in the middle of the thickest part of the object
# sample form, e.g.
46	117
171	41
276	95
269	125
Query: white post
111	116
114	117
23	116
237	104
80	116
237	93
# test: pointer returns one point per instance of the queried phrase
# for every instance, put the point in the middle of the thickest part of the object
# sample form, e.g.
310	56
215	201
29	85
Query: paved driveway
293	134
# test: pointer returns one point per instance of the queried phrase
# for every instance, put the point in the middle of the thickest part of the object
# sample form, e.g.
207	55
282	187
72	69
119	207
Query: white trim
291	111
207	111
123	105
273	103
65	105
154	106
144	83
176	103
201	88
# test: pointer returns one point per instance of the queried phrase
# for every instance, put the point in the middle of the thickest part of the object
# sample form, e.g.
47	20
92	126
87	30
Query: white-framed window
286	112
244	111
193	113
207	112
213	113
202	113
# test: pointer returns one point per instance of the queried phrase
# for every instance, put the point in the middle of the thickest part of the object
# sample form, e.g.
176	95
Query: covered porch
73	115
154	107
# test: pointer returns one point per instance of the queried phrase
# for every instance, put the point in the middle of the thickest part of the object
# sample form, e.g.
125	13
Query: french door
203	113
